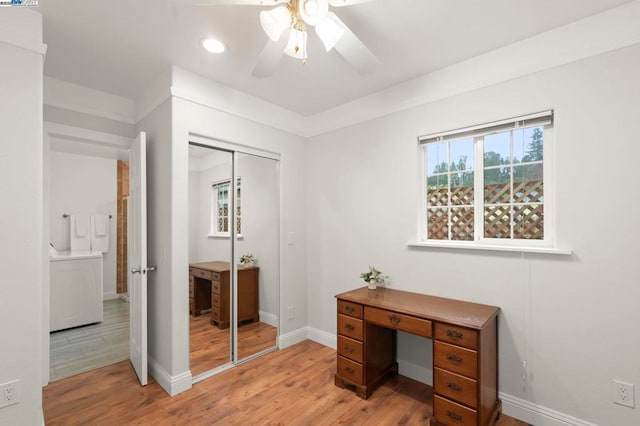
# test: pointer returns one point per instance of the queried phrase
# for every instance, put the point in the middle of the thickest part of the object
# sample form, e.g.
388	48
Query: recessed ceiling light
212	45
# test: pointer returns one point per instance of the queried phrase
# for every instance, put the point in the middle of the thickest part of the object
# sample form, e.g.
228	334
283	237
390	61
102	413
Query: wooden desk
209	289
464	339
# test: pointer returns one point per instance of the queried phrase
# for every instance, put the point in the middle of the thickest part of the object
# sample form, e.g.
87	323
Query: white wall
21	211
571	318
83	184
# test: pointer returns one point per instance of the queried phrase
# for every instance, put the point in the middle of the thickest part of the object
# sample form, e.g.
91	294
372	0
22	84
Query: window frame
213	216
545	245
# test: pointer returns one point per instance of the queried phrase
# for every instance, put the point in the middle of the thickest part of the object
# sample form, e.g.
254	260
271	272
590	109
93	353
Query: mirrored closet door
234	213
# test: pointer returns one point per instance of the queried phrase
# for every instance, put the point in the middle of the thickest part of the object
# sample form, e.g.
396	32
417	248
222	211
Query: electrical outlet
290	312
10	393
623	393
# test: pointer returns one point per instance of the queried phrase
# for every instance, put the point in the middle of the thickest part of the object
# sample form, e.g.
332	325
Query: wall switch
623	393
291	238
290	312
10	393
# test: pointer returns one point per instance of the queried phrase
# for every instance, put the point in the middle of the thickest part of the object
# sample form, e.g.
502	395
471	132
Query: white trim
537	414
31	45
293	337
269	318
74	133
322	337
173	385
475	246
110	295
73	97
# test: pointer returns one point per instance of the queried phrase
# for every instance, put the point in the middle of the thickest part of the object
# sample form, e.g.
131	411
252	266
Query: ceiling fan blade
355	52
238	2
340	3
269	58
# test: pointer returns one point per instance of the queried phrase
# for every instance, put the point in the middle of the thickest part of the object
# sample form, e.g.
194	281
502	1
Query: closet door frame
235	149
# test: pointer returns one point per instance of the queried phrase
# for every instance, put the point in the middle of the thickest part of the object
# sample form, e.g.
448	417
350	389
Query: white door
137	256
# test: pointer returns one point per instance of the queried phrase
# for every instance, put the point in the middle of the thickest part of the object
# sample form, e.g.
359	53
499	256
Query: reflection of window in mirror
220	201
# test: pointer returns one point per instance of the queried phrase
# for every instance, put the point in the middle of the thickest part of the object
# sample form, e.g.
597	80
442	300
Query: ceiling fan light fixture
313	12
297	44
275	21
329	31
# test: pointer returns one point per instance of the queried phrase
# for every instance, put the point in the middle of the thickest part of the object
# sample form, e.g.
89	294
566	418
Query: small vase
372	285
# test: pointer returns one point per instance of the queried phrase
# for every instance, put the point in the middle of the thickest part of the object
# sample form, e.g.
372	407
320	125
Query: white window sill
224	237
474	246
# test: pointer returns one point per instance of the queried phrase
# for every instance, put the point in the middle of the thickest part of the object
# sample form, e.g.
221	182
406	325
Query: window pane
462	189
528	184
497	222
497	149
497	185
437	224
461	154
462	224
438	190
436	158
528	222
533	138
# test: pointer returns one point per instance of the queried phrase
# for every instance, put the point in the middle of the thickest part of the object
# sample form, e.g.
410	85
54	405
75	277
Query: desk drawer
350	370
457	335
454	358
350	348
215	287
215	276
456	387
215	313
349	308
215	300
449	413
192	306
201	273
350	327
398	321
191	288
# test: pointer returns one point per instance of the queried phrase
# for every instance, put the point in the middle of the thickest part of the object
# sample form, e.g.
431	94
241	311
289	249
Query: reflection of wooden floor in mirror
209	346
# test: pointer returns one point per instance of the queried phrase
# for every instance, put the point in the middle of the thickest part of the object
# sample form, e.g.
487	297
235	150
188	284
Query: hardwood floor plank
293	386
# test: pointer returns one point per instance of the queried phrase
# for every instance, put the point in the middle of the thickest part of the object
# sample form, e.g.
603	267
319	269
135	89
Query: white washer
76	289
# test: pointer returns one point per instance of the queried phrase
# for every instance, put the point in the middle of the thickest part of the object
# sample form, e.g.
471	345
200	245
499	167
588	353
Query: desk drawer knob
455	335
454	387
394	319
454	358
349	348
349	326
349	309
349	370
453	415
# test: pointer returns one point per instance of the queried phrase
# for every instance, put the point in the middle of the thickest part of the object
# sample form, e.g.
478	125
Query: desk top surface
451	311
218	266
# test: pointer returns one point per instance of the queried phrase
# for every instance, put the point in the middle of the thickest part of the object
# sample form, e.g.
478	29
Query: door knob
152	268
136	270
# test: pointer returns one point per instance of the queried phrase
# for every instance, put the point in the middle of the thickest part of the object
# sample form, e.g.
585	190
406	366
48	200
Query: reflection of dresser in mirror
209	288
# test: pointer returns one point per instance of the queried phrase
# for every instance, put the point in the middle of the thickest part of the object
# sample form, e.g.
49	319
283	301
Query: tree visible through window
487	183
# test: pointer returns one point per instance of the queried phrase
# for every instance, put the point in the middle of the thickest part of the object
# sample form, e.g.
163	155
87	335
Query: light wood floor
81	349
209	346
293	386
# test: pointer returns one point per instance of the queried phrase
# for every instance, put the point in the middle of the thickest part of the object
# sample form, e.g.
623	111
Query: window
220	208
489	184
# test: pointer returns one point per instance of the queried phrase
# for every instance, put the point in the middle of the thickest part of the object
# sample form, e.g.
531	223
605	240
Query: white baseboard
172	385
124	296
537	414
268	318
322	337
110	295
293	337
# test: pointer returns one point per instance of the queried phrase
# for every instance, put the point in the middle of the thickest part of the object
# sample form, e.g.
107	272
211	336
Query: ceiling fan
287	27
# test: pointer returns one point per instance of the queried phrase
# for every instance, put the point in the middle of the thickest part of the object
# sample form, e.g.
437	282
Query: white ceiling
117	46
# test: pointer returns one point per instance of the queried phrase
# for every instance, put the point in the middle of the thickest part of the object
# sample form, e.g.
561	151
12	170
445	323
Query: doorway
234	255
